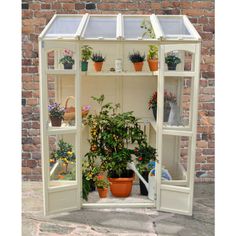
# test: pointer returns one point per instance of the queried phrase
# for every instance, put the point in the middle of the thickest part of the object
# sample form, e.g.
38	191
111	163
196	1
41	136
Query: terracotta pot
98	66
102	192
153	64
55	121
121	187
138	66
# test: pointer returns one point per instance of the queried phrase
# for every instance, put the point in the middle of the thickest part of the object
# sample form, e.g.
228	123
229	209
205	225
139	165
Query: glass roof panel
64	26
101	26
132	27
173	26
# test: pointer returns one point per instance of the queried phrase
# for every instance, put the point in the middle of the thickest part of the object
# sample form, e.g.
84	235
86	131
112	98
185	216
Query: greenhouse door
61	165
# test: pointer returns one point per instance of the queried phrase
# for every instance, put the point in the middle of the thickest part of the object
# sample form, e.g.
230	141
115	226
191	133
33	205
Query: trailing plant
86	187
86	52
67	57
55	110
172	59
110	134
97	57
136	57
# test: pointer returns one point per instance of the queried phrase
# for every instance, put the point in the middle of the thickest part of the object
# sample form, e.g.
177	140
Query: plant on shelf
56	114
152	56
98	60
172	61
144	155
67	59
168	98
137	59
110	134
64	154
86	53
102	185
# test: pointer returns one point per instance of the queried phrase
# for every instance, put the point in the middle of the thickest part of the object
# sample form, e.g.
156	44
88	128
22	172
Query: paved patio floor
115	222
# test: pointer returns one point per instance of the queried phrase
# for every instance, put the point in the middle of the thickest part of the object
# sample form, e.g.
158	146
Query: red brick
35	21
193	12
56	6
186	4
203	19
203	4
201	159
34	6
155	5
31	163
32	101
28	29
36	155
26	155
202	144
209	28
69	6
26	170
207	166
45	6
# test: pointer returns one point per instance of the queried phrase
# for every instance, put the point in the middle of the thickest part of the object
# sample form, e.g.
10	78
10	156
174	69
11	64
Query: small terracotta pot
98	66
55	121
121	187
153	64
102	192
138	66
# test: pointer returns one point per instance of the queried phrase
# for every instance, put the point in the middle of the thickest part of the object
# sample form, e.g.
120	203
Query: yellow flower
69	153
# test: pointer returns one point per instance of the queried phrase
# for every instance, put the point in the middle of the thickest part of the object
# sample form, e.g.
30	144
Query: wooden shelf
179	73
60	72
118	74
61	130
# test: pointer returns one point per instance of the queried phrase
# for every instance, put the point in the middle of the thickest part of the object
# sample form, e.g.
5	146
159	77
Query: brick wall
36	14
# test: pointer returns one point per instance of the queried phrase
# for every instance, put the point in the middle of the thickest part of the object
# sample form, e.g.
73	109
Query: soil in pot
98	66
138	66
121	186
102	192
153	64
143	189
55	121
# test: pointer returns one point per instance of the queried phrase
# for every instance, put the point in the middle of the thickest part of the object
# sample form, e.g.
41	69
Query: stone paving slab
118	221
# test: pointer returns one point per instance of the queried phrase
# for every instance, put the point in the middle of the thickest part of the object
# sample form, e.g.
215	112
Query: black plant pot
92	185
154	110
67	66
171	66
143	189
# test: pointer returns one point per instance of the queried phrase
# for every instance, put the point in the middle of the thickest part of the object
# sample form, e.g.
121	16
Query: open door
60	144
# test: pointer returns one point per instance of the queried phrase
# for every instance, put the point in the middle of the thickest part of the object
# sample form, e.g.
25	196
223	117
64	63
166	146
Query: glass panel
61	90
175	160
62	159
101	27
64	26
132	27
177	102
173	26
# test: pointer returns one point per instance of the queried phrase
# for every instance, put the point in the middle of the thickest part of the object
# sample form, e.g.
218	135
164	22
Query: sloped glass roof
119	27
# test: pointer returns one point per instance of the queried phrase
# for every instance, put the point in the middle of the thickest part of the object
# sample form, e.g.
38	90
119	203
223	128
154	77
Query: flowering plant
64	153
168	97
144	154
101	182
67	57
55	110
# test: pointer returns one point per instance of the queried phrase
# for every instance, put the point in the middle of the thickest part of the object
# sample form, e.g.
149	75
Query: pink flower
140	158
86	108
68	52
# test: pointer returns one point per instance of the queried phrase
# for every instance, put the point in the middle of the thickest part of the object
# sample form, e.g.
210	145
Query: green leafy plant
67	57
55	110
101	182
110	134
144	154
172	59
85	188
64	153
136	57
97	57
86	52
153	49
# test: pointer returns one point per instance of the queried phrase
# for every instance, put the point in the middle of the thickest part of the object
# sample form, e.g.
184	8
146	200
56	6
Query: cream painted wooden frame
169	197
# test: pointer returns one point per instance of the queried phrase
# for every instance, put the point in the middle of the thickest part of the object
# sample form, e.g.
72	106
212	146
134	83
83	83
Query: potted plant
137	59
86	52
56	114
110	134
172	61
168	98
67	59
102	185
144	155
98	60
64	154
152	56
